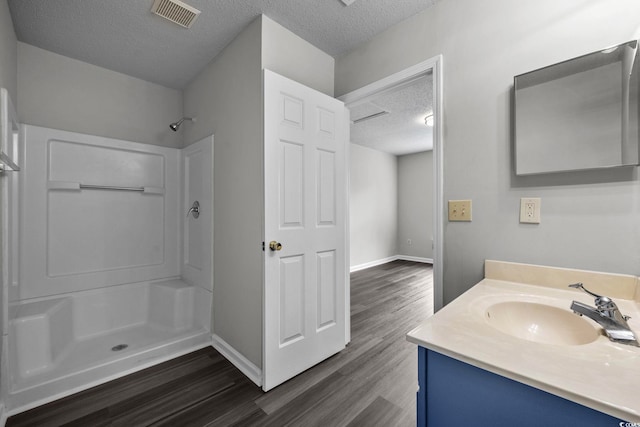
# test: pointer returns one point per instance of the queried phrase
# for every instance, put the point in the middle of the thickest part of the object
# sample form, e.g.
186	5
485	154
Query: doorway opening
400	85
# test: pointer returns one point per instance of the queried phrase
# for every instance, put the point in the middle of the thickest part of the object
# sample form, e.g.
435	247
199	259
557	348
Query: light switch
459	210
530	210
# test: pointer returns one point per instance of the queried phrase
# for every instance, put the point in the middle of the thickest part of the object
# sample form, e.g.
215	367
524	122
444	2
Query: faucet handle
602	302
581	286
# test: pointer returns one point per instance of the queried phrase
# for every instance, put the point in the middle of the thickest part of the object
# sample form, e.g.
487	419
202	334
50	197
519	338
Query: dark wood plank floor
371	383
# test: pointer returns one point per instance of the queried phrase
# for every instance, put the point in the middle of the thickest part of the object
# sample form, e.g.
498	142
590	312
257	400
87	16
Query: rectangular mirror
579	114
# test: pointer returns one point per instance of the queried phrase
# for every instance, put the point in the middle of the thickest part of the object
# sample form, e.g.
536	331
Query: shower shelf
76	186
7	162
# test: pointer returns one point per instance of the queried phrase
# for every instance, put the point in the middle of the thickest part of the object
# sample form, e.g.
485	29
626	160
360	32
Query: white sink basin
541	323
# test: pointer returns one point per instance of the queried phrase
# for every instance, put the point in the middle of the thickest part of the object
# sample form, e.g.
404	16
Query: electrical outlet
459	210
409	242
530	210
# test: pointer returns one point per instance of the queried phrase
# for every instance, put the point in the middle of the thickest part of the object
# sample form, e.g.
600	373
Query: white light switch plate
460	210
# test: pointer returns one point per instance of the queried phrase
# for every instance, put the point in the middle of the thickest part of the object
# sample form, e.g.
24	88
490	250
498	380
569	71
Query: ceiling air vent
176	11
369	117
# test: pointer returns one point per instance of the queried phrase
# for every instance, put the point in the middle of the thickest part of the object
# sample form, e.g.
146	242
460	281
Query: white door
197	250
305	135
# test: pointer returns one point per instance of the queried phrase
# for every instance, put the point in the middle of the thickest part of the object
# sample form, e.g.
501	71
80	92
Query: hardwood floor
371	383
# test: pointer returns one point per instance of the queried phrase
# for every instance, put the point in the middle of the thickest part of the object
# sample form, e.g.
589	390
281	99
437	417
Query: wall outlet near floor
530	210
459	210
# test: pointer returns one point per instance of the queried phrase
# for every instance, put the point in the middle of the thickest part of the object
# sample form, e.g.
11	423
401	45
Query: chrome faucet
607	315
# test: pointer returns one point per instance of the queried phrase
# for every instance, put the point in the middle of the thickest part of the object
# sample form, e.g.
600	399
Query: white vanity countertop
602	375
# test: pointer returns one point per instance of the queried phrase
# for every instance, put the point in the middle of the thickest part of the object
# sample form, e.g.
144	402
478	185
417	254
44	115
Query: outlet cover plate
460	210
530	210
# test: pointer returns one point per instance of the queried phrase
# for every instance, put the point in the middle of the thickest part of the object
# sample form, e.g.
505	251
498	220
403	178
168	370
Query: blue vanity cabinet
454	393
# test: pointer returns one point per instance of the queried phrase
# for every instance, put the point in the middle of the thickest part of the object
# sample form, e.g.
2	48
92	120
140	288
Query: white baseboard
372	263
250	370
389	259
415	259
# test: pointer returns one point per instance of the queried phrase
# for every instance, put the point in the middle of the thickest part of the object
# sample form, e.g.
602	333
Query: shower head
175	126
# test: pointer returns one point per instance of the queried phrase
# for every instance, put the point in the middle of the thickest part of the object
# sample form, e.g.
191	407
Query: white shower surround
60	345
73	240
68	309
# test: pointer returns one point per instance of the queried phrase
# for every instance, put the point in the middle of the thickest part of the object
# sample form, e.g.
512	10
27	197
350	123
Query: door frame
403	77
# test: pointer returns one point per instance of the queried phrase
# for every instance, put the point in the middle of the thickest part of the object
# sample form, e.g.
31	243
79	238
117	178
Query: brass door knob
274	246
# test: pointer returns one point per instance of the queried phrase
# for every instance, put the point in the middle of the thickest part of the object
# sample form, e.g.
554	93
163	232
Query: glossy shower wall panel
76	238
197	186
193	169
95	231
77	220
72	161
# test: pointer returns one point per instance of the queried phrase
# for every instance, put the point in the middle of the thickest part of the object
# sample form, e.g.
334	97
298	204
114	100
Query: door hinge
262	246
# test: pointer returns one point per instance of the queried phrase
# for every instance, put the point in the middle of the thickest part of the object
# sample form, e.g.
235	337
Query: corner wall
373	205
285	53
415	205
58	92
589	219
227	99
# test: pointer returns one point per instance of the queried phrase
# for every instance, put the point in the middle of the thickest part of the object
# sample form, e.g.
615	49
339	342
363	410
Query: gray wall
8	53
415	204
589	219
285	53
227	99
62	93
373	205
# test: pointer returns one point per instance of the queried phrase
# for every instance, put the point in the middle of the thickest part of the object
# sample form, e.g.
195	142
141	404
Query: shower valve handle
195	210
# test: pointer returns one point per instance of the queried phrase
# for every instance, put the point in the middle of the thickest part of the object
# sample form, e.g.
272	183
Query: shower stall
114	272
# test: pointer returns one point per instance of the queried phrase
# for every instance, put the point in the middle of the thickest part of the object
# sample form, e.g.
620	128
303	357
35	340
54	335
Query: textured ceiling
403	130
124	36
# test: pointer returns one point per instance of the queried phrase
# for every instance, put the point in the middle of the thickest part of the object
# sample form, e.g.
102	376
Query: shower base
59	346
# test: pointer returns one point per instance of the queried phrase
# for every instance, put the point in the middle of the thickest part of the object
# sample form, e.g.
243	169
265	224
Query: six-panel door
305	193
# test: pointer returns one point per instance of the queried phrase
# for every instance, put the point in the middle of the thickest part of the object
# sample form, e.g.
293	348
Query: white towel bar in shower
110	187
76	186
